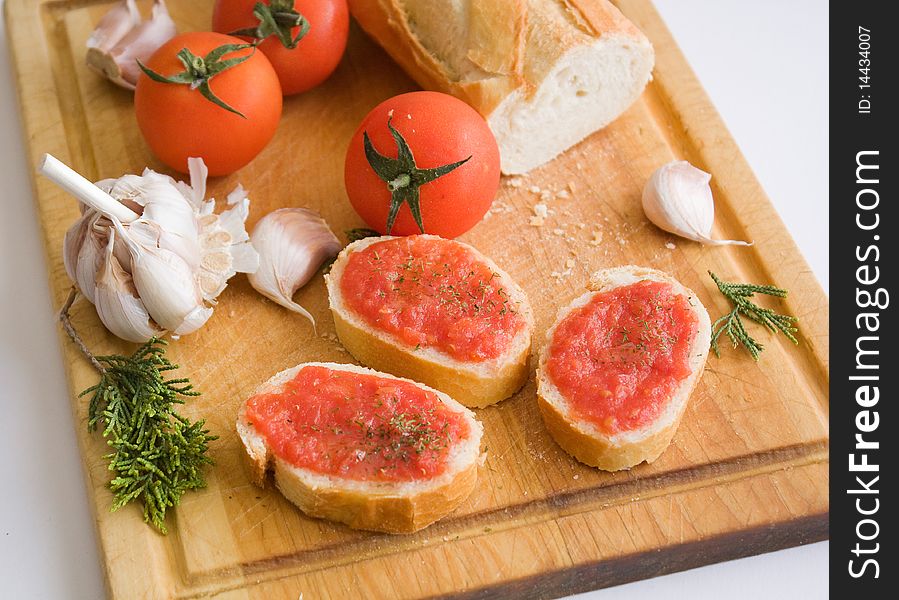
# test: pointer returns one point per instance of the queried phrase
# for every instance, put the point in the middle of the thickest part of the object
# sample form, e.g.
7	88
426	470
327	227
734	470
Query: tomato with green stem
207	95
422	162
303	39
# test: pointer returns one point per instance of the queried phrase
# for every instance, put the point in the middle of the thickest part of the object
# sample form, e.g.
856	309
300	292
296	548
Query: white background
764	63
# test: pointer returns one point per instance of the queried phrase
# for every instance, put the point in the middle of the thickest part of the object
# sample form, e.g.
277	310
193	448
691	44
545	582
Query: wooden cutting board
747	471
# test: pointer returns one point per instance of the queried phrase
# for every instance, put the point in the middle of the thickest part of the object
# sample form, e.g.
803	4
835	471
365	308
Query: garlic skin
117	301
121	38
678	199
90	256
114	25
72	242
292	243
150	252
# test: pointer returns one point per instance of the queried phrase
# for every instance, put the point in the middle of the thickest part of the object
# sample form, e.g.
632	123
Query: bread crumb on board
560	275
499	208
670	245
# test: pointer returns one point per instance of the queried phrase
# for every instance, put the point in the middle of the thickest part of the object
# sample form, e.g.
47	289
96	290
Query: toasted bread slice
387	506
474	384
624	449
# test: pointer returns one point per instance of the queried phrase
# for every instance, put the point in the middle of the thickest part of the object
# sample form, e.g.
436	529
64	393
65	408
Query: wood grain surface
746	473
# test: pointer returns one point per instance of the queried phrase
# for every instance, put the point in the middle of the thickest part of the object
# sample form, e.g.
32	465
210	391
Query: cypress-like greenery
732	324
157	454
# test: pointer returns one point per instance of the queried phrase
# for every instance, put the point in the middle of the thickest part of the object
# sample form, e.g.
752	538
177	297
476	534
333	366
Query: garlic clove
72	242
90	256
194	320
117	302
165	283
678	199
292	243
119	62
114	25
143	41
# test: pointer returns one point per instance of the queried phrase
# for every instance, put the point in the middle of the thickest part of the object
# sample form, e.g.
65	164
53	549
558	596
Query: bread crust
402	507
475	385
503	52
581	439
387	22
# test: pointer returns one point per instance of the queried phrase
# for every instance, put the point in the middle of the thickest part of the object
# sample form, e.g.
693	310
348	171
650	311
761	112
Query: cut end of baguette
595	82
474	384
389	507
625	449
545	74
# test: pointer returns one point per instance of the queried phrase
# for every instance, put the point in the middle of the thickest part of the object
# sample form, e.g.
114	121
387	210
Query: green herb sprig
732	324
157	454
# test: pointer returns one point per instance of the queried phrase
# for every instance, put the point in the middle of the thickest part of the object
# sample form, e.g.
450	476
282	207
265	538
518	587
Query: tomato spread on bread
620	357
358	426
432	293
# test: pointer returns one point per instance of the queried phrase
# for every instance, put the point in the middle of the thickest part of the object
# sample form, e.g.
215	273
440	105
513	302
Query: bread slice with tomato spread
619	365
367	449
436	311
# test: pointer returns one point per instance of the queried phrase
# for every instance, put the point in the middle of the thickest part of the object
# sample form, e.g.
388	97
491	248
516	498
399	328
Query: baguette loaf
391	507
474	384
623	449
544	73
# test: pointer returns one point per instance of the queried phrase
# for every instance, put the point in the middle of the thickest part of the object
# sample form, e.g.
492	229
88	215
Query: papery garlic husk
74	238
166	285
121	39
117	301
225	245
292	243
678	199
90	255
114	25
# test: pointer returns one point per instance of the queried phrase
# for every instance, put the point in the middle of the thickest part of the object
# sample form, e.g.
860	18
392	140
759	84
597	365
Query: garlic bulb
678	199
292	244
121	39
149	251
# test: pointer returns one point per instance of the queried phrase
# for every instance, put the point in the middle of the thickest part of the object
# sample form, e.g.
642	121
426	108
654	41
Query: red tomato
179	122
439	130
315	56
